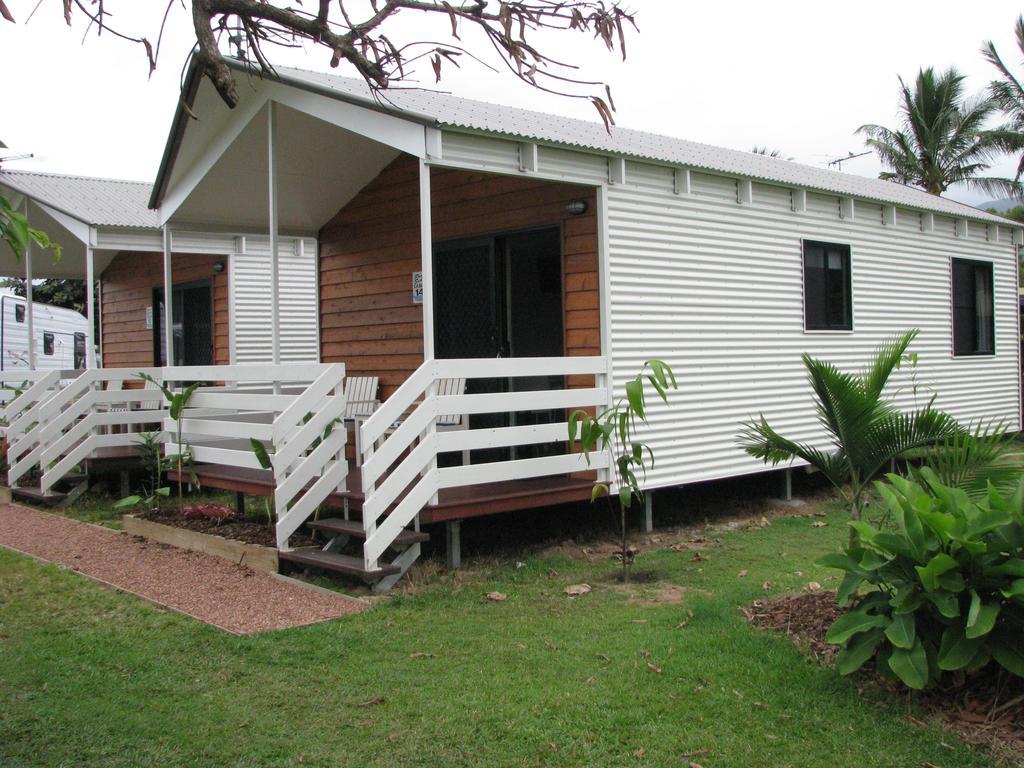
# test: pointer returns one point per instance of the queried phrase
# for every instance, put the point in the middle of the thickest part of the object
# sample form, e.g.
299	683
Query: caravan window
79	351
19	313
973	315
47	343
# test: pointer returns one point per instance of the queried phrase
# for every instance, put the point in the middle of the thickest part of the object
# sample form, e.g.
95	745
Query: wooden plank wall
370	249
127	286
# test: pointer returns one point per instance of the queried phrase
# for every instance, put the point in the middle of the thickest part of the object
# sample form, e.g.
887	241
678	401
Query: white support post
90	311
275	310
648	511
786	484
427	261
29	325
168	300
99	305
607	378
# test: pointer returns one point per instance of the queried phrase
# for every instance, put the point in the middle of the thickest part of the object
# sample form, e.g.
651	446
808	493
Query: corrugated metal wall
250	301
715	288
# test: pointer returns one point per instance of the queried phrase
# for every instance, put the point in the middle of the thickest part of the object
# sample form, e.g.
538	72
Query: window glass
973	308
47	343
79	350
828	305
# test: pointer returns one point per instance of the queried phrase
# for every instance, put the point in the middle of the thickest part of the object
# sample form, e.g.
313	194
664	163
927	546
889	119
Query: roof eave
60	209
193	79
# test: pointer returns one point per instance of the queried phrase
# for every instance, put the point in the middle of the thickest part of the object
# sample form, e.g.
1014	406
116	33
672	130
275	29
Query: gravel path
204	587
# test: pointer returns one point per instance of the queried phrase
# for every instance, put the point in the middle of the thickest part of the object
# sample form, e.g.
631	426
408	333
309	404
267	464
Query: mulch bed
207	588
233	526
986	710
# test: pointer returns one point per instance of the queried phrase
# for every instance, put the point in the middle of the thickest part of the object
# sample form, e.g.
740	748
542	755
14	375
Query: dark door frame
158	317
499	276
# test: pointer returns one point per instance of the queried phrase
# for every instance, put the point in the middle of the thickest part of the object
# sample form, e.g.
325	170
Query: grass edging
254	556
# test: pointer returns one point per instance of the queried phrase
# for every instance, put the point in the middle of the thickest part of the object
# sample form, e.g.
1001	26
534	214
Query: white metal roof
94	201
448	111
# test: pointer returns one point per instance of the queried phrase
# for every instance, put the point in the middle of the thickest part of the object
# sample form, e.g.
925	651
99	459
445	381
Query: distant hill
1001	205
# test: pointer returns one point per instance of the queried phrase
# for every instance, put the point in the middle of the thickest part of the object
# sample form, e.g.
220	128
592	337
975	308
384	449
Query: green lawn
92	677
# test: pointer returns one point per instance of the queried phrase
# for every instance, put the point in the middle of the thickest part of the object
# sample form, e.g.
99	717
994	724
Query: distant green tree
1016	213
56	293
943	139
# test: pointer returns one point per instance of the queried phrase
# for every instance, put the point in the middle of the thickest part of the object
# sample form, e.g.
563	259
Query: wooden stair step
332	561
338	527
35	495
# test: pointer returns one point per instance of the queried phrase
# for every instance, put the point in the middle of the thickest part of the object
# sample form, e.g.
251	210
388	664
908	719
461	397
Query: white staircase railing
400	447
291	409
24	395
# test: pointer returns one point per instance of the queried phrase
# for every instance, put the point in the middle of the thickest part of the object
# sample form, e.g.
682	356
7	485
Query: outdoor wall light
576	207
218	267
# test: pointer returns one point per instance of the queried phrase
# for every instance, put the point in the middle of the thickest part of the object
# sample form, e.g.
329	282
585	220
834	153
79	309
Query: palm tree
866	431
1008	94
758	150
943	139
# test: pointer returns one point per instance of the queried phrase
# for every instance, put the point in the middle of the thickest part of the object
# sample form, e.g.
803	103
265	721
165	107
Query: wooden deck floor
453	503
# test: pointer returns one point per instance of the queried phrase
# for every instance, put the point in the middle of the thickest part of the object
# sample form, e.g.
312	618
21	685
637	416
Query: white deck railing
401	443
22	395
288	408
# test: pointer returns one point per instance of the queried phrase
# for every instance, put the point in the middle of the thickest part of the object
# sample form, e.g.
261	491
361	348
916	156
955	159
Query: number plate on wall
417	287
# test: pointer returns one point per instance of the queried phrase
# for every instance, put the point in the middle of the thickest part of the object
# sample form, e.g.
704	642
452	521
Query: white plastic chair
360	402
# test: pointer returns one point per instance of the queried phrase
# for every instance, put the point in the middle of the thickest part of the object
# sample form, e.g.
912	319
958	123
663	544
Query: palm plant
1008	94
943	139
866	431
759	150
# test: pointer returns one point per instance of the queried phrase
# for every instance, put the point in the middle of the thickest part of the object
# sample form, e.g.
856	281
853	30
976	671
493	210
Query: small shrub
947	584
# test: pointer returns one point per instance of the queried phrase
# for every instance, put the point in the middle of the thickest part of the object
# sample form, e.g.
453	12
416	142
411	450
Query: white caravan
60	335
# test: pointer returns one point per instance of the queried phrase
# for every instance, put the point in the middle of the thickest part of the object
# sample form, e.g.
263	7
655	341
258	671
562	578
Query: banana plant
151	451
15	231
177	402
614	431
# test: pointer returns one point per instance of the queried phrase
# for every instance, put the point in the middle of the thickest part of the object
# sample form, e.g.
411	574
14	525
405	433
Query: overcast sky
798	76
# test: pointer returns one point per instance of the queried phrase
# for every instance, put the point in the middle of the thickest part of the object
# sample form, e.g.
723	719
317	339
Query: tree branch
505	24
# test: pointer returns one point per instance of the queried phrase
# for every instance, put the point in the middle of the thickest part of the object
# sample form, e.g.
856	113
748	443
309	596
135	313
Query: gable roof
91	200
442	110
